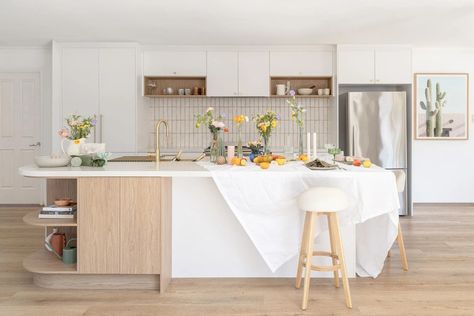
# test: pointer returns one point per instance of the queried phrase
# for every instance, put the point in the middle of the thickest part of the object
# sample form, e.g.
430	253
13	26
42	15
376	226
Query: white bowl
49	162
305	91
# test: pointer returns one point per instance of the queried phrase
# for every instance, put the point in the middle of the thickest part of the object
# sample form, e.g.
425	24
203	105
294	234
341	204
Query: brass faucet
157	144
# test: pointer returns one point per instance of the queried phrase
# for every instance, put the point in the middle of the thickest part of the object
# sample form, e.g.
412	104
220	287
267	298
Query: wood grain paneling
98	225
166	229
61	188
140	225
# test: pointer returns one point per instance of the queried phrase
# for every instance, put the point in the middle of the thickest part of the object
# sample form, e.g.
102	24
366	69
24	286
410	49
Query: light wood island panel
98	229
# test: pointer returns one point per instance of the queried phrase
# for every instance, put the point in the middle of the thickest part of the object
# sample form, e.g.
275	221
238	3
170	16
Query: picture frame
441	106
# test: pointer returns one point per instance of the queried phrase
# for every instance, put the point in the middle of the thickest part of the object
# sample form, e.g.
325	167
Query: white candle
308	145
230	154
315	145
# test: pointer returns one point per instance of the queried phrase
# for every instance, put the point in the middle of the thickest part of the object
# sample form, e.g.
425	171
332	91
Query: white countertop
120	169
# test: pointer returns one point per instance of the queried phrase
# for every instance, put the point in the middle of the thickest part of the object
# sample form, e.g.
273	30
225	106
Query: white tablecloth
265	203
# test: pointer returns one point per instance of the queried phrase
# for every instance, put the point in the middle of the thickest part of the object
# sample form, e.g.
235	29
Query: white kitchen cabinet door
254	74
174	63
222	74
301	63
118	99
80	81
356	65
393	65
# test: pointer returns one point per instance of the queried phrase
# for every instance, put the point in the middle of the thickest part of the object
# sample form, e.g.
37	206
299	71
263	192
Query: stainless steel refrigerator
377	129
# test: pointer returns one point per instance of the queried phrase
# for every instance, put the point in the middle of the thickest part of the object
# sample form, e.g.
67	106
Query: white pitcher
74	148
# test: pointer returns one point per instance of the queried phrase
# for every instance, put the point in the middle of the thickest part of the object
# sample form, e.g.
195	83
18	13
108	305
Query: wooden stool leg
340	248
303	250
401	246
309	252
333	250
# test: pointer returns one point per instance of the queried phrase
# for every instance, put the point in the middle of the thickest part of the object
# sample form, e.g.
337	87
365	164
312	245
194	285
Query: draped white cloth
265	204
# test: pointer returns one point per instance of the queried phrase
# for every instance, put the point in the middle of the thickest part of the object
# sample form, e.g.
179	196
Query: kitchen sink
164	158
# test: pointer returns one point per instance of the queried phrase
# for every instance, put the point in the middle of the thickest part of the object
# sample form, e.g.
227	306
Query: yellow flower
274	123
77	141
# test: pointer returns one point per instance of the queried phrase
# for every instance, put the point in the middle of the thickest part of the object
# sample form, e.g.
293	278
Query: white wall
443	171
26	59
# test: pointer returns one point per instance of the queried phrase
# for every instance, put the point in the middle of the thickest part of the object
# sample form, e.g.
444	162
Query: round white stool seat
323	199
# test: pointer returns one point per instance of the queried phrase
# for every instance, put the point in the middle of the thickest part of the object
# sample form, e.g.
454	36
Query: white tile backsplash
180	114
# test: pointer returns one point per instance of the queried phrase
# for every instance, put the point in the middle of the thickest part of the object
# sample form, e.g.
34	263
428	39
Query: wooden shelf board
43	261
174	96
32	219
303	96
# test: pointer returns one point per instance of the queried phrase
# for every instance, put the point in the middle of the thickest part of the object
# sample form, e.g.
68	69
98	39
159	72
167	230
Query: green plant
434	110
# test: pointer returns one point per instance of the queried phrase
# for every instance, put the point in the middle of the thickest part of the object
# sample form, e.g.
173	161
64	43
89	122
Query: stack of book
53	211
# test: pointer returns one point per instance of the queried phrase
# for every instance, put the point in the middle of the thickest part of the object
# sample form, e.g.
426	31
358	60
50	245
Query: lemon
243	162
281	161
367	163
264	165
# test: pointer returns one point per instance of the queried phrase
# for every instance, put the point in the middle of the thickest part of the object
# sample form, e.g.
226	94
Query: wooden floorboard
440	247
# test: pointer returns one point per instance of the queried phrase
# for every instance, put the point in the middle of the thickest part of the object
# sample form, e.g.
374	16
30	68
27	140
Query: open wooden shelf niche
153	86
302	82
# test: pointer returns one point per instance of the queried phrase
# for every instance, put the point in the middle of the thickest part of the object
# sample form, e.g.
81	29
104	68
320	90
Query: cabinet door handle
100	127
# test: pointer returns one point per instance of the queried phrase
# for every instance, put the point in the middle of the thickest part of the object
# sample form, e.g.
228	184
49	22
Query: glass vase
217	147
300	140
240	152
266	145
214	147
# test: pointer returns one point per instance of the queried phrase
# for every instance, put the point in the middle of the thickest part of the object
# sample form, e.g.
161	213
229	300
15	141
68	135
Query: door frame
43	134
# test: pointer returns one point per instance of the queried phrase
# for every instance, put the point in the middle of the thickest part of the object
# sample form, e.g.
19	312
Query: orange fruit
235	161
264	165
303	157
243	162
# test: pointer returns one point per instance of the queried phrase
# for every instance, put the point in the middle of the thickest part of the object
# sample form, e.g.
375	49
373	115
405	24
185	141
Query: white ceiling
239	22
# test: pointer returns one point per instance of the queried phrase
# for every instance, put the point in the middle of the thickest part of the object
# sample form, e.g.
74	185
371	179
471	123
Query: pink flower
63	133
292	93
218	124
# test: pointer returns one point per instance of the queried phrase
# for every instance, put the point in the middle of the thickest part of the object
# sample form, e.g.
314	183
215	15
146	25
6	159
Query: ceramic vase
75	147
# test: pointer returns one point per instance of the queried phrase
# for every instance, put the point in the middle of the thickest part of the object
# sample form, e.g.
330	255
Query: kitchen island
144	224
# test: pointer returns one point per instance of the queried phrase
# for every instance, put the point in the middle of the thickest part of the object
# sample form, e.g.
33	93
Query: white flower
210	109
218	124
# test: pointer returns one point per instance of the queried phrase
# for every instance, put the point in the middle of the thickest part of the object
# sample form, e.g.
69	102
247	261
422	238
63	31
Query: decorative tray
320	165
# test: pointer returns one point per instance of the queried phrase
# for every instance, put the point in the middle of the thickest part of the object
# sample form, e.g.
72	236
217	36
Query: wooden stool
401	178
322	201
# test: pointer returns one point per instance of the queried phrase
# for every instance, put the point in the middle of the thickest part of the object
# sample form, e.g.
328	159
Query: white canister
320	91
281	89
327	91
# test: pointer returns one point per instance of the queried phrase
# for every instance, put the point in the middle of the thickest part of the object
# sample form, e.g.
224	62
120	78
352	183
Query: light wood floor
440	246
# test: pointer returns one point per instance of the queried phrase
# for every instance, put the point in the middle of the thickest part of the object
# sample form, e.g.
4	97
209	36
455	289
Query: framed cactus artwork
442	106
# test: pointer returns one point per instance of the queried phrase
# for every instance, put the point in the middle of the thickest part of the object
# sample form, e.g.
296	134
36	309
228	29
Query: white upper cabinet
101	80
374	64
393	65
301	63
356	65
118	98
222	73
254	74
79	81
174	63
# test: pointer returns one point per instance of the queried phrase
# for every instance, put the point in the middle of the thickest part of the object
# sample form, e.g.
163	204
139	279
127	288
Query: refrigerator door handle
352	141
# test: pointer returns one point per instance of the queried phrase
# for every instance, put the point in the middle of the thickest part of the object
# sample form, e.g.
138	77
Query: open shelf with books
32	219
